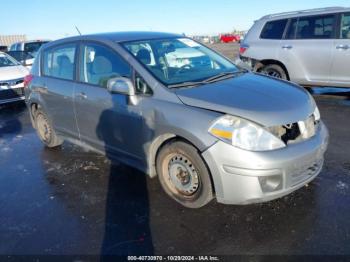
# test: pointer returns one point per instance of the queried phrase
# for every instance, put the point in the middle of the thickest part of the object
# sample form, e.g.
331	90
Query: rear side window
316	27
274	29
98	64
345	26
59	62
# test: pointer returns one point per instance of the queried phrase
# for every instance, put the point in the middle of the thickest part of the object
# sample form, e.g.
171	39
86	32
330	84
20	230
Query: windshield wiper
222	76
188	84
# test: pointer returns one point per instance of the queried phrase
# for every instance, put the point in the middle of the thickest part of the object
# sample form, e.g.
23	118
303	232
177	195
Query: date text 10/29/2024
173	258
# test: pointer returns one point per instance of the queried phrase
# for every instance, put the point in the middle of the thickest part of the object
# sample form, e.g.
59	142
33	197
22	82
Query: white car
184	56
12	75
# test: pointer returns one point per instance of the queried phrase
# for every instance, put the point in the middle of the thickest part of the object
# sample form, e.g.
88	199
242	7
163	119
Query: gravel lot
229	50
68	201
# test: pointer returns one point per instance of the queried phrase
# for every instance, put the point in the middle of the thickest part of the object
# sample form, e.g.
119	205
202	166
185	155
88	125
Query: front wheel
184	175
274	71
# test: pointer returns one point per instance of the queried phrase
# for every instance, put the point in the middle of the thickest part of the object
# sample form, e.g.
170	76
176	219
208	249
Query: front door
108	122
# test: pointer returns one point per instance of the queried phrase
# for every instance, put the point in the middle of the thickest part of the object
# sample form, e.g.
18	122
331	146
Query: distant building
7	40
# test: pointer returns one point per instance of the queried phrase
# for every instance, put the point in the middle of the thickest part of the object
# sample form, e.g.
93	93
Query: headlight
244	134
317	114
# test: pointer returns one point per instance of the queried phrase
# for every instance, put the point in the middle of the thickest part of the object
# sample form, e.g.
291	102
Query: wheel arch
260	64
33	107
163	140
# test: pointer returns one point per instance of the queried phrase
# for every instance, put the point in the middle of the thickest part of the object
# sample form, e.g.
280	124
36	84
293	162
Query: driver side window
98	64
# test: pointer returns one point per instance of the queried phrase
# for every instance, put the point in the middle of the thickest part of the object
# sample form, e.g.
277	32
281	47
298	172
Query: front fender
172	120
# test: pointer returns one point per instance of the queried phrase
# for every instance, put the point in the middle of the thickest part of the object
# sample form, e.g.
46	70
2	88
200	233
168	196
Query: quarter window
345	26
316	27
59	62
99	64
274	29
141	87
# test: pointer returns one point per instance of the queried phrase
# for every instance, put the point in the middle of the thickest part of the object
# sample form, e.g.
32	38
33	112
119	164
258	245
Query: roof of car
315	11
120	36
32	41
134	36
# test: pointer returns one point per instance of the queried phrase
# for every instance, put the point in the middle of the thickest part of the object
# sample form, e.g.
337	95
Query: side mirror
121	85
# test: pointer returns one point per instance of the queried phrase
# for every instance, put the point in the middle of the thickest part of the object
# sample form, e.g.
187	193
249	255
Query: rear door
57	86
340	73
306	50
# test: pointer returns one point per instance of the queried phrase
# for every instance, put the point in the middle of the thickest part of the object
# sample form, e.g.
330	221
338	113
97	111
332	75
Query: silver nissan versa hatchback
175	109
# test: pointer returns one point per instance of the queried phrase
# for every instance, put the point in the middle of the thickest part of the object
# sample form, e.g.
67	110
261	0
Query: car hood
261	99
12	72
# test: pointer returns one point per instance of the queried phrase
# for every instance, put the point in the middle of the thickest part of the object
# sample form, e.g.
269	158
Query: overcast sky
57	18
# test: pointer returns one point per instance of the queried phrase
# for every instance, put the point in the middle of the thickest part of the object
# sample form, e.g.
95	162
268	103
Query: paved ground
68	201
229	50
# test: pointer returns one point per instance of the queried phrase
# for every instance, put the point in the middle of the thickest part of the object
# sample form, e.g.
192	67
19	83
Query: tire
274	70
183	174
45	130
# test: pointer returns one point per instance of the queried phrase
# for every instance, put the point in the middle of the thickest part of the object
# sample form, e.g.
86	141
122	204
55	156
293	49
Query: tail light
27	80
242	49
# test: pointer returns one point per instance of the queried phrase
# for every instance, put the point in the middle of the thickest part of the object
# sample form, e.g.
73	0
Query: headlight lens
317	114
244	134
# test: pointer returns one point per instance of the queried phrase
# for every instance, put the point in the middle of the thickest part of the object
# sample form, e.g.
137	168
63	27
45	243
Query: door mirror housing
121	85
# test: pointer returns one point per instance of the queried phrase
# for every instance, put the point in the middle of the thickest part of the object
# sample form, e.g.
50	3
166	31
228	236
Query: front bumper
237	173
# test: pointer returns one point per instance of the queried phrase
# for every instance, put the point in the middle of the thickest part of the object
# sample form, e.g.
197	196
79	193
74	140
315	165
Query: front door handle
82	95
287	47
343	47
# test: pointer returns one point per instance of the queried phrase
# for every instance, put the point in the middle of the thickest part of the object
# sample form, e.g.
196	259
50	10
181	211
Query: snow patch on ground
342	186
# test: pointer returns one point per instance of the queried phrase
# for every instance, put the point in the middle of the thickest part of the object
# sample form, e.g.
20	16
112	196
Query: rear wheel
184	175
45	130
274	70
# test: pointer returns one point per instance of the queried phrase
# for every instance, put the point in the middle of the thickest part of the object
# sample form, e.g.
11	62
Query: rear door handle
82	95
287	47
343	47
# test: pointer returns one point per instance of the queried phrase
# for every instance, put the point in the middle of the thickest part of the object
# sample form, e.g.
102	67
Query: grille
302	173
296	132
11	93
